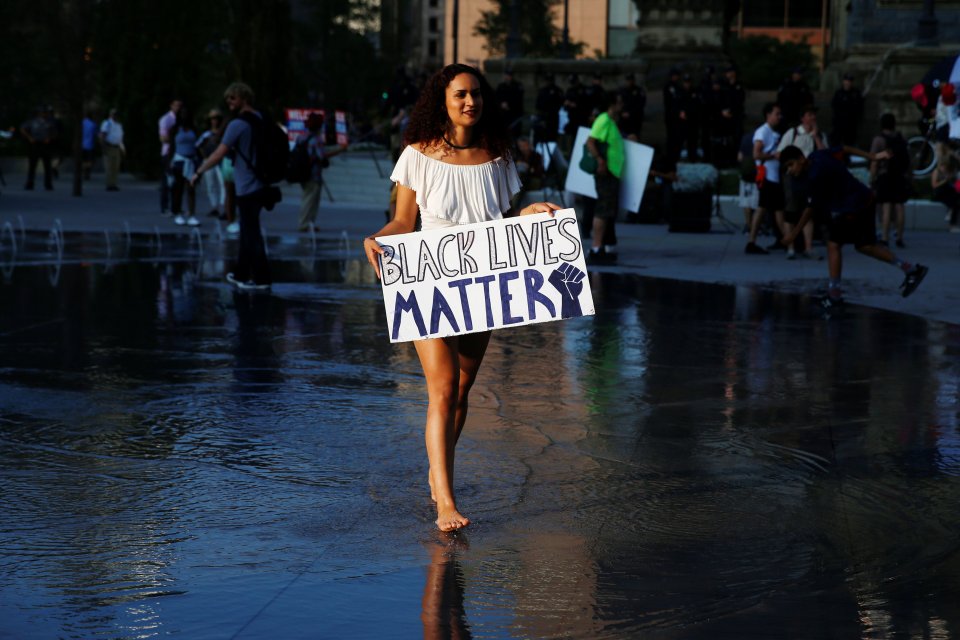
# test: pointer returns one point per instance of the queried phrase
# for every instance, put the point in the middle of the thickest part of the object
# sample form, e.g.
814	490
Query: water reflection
693	462
444	616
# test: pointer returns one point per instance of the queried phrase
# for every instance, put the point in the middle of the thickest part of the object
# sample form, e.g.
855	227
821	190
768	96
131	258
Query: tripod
728	225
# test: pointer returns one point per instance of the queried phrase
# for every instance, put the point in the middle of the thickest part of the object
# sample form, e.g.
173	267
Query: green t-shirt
605	130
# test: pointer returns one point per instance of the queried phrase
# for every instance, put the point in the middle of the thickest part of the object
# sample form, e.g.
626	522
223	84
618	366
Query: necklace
469	146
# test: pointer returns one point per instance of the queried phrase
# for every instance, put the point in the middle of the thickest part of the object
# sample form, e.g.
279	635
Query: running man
848	207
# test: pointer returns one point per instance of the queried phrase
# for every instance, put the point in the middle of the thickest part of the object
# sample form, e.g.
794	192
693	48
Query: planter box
691	212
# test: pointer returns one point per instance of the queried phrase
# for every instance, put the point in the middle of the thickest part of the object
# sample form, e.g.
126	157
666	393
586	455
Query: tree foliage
539	35
136	55
762	60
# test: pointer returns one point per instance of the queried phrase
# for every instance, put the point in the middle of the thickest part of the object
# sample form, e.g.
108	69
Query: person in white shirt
807	137
455	170
111	139
765	141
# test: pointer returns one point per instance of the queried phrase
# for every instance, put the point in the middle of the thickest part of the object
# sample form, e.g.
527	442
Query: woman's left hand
539	207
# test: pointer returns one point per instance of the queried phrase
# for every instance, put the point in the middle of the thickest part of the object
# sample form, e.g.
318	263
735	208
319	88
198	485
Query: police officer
691	110
671	114
510	100
595	97
847	107
549	101
634	105
794	95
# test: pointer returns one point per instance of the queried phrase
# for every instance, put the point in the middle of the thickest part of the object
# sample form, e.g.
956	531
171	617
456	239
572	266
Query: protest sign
633	178
340	121
489	275
297	123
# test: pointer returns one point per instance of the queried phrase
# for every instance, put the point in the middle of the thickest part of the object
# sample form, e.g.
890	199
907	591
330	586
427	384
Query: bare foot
449	519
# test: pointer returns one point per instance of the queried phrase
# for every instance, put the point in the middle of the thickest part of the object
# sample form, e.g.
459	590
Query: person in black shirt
734	102
549	101
793	96
671	114
596	97
691	109
634	104
575	100
510	101
848	209
847	106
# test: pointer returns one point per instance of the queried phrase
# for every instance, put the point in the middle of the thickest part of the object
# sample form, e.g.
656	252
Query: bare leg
778	217
787	228
834	260
885	221
900	212
808	236
877	252
755	223
450	366
596	236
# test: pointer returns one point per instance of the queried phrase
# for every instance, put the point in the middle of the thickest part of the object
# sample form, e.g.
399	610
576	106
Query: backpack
271	149
900	162
298	166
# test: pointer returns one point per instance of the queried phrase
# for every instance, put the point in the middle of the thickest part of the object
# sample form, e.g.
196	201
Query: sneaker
179	219
193	222
829	302
250	285
233	227
596	257
755	249
914	277
776	246
791	254
811	255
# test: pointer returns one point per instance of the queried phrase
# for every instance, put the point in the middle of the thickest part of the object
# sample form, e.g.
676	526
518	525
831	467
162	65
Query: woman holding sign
456	169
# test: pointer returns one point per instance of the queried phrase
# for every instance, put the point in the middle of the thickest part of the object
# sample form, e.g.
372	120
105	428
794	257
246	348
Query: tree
539	35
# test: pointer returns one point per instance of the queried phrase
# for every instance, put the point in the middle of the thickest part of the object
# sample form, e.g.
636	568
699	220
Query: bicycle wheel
923	155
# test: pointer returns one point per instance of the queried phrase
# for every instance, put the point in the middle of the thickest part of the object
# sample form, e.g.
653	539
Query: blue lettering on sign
441	308
485	281
506	297
464	302
533	280
567	279
410	304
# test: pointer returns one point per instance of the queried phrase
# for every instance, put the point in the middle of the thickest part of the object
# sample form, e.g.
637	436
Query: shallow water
695	461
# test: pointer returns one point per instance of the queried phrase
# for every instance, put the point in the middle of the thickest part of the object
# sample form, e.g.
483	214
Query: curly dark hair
429	121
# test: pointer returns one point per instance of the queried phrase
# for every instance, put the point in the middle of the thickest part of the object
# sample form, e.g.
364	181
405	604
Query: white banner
489	275
633	179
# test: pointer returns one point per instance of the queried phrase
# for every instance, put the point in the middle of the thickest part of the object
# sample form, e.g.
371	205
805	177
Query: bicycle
923	149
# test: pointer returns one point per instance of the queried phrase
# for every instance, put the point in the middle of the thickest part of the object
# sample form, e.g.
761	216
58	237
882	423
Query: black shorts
608	196
858	229
771	196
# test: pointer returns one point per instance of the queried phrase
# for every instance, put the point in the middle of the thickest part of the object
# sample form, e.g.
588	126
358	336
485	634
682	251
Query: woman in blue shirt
184	136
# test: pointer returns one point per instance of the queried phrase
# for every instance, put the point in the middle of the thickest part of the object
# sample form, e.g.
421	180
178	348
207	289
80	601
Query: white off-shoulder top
453	194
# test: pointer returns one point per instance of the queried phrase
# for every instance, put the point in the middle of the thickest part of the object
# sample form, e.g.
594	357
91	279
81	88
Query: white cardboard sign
488	275
633	180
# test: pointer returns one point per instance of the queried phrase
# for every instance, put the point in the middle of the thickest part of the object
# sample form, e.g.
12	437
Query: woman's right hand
373	250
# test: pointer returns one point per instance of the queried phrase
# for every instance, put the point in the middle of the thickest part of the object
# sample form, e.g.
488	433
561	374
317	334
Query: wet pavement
708	457
697	461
